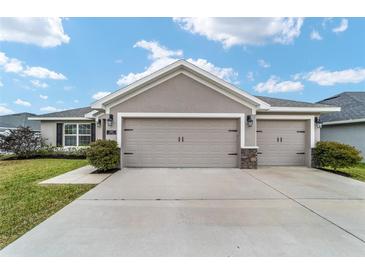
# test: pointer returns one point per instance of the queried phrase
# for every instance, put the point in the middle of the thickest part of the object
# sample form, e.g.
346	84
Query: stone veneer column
313	162
248	158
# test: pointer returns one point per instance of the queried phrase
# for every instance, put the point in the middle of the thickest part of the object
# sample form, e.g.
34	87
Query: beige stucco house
183	116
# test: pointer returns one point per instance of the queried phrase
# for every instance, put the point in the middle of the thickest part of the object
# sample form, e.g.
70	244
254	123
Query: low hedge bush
61	152
104	155
335	155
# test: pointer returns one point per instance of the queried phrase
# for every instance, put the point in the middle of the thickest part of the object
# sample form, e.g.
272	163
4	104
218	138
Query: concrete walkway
82	175
281	211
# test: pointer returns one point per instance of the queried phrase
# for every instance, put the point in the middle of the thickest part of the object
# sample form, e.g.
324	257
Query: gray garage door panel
285	152
154	143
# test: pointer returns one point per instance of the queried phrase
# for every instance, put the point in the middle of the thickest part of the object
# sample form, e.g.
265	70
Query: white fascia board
91	114
304	109
178	115
284	117
59	118
100	103
227	85
239	99
344	122
181	64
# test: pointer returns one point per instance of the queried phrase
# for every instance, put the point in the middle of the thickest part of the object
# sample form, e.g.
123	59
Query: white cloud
100	95
1	84
3	58
41	31
227	74
244	31
13	65
263	63
250	76
273	85
342	27
315	35
43	73
156	50
329	78
44	97
22	103
4	110
162	57
119	61
76	101
50	109
39	84
16	66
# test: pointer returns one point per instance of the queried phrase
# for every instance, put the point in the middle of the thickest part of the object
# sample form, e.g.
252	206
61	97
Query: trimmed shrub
104	155
62	152
23	142
335	155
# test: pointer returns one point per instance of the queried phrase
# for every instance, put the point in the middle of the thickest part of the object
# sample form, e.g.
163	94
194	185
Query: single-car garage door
180	142
281	142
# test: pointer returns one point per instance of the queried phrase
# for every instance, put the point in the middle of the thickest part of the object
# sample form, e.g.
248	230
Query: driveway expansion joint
308	208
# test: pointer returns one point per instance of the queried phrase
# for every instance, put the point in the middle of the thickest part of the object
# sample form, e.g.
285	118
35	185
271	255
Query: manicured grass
357	172
24	203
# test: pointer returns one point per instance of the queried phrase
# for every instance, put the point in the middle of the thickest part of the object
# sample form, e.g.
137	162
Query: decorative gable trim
172	70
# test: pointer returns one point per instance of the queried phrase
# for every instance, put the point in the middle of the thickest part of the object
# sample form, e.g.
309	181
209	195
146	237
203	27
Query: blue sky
49	64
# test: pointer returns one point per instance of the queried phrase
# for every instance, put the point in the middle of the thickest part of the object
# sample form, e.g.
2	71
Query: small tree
23	142
104	154
336	155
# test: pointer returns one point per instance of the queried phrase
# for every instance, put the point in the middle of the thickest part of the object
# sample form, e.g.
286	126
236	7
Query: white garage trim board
122	115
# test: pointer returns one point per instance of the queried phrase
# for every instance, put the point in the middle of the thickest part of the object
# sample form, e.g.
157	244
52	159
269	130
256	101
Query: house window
77	134
70	134
84	134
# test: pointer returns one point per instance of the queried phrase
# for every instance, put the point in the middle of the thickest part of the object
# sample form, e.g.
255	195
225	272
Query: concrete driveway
281	211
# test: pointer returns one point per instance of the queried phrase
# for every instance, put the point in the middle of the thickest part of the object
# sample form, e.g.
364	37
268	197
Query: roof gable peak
178	67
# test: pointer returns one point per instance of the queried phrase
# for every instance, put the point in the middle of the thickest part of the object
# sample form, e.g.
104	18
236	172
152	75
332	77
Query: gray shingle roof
76	112
275	102
352	106
19	120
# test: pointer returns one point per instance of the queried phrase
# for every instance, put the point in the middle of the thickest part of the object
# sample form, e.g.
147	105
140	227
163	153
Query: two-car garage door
152	142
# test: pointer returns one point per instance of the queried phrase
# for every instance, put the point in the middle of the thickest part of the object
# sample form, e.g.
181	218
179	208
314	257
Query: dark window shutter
59	136
93	132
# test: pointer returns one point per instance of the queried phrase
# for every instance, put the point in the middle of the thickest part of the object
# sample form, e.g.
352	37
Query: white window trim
77	133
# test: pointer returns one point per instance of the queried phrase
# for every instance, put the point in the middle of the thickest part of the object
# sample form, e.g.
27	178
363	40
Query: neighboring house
183	116
348	125
13	121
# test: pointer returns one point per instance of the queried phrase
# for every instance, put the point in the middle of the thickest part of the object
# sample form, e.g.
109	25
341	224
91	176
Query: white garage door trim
180	142
282	142
122	115
293	117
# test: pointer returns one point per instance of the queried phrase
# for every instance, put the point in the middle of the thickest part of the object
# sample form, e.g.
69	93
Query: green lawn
24	203
357	172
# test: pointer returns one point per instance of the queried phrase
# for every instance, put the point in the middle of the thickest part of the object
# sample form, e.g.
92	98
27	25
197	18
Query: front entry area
281	142
180	142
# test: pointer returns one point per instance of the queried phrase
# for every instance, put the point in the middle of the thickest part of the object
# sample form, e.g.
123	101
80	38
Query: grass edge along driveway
24	203
357	172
